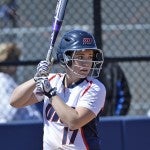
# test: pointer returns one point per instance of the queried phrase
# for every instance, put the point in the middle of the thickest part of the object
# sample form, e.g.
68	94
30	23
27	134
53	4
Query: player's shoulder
96	83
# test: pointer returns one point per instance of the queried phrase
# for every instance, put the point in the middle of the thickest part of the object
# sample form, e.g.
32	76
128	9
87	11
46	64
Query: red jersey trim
90	84
84	140
52	77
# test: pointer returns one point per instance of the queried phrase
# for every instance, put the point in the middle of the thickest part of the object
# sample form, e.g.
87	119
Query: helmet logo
87	40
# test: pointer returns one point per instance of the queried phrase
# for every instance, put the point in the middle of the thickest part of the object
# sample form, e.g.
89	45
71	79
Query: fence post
97	22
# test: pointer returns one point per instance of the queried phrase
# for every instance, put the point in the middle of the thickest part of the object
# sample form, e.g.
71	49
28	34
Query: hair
9	51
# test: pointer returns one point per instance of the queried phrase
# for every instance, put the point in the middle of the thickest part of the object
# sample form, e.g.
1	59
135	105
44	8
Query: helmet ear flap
98	56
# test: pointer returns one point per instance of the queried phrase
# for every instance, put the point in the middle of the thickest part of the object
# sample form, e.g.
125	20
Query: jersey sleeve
93	97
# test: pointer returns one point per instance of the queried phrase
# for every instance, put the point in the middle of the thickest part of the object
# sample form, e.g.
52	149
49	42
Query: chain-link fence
125	32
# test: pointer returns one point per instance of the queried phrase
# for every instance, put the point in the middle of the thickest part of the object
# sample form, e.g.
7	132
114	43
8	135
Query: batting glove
43	87
43	69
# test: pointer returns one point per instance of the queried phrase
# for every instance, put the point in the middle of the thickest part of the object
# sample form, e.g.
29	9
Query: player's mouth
84	71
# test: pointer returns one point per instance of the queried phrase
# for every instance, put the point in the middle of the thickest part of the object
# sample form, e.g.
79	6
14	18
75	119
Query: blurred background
121	28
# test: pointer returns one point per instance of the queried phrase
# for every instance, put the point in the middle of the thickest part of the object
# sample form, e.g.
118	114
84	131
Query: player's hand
43	87
43	69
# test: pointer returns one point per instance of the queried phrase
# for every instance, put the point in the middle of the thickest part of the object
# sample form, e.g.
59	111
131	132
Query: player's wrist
51	93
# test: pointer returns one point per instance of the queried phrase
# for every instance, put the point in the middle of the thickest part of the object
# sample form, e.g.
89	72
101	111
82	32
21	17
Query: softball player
73	99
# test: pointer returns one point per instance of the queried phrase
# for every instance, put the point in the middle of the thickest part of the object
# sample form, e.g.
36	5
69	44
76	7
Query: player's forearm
23	95
69	115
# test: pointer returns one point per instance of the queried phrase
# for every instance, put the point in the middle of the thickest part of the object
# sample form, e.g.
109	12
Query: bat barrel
58	19
60	9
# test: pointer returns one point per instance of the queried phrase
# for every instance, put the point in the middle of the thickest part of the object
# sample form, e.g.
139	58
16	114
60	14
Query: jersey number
73	136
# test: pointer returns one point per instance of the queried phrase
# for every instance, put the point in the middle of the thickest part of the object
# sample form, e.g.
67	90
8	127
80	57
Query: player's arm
87	108
23	95
74	118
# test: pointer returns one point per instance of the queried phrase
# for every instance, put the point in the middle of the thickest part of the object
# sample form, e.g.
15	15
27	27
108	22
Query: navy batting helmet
77	40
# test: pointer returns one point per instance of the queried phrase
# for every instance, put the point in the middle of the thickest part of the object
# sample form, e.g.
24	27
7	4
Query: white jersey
88	93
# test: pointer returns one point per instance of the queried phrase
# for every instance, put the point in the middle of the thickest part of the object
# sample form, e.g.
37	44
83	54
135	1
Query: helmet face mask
73	42
93	66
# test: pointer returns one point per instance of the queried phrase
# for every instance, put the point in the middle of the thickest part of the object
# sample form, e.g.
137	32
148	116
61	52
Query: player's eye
90	57
81	57
78	57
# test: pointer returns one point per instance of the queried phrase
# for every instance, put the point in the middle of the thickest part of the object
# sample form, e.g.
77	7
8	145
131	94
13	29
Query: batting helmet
77	40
